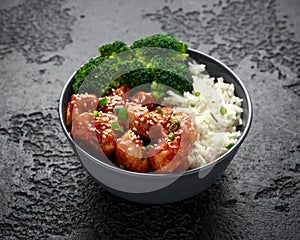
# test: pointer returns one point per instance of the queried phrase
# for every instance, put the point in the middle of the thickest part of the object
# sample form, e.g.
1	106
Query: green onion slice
213	116
223	110
148	147
102	102
116	126
158	109
192	104
175	123
96	113
171	136
117	108
122	166
197	94
122	114
230	145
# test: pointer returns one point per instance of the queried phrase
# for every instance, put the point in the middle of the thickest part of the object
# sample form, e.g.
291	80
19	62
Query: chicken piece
121	91
130	153
107	104
140	120
143	98
115	98
104	132
162	114
171	155
83	132
187	125
80	103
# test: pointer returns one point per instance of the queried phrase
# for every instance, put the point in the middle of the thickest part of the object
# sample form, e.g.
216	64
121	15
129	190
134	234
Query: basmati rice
217	130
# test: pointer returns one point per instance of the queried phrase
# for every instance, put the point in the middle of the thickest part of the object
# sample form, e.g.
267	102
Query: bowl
153	188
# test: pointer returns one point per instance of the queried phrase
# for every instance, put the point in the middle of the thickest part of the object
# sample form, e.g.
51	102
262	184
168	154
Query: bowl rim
158	175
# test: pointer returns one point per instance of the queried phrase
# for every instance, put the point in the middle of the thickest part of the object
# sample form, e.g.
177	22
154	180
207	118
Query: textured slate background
45	193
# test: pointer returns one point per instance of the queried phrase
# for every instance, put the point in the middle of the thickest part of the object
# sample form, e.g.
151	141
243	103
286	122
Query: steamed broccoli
112	73
161	41
138	66
85	70
171	73
113	48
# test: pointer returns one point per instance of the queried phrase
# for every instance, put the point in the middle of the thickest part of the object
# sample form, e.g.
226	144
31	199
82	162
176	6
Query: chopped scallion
122	166
171	136
197	94
148	147
223	110
96	113
117	108
102	102
116	126
213	116
230	145
175	123
122	113
192	104
158	109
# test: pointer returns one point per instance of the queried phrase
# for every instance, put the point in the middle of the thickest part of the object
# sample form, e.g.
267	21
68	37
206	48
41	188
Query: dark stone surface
44	191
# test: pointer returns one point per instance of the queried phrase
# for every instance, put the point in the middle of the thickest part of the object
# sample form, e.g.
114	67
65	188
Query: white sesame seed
134	129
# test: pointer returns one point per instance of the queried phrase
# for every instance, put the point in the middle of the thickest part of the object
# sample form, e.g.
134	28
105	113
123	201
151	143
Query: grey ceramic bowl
162	188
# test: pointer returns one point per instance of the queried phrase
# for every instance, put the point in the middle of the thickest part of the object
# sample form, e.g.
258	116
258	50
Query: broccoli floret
161	41
112	73
171	73
85	70
113	48
144	63
138	77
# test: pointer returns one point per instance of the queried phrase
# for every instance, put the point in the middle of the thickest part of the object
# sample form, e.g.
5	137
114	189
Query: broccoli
113	48
112	73
138	77
161	41
140	65
171	73
85	70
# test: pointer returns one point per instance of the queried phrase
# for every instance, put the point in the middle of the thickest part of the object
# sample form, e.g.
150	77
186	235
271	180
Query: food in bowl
180	119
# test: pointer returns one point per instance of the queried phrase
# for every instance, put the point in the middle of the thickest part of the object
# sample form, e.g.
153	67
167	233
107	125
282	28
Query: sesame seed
134	129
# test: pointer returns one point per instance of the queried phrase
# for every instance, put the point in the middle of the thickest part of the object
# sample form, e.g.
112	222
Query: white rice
214	134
